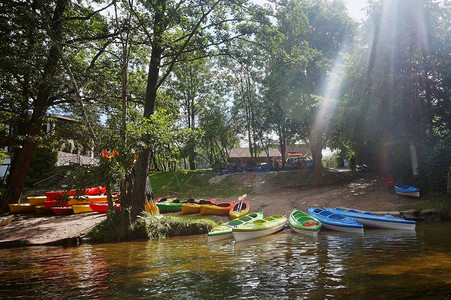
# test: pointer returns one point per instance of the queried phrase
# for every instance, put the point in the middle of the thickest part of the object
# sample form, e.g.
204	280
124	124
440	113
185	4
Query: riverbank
272	192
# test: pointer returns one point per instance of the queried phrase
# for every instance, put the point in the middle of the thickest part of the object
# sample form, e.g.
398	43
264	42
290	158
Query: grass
440	202
194	184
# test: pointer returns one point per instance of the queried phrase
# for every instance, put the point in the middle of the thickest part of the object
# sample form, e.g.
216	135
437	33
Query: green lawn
193	184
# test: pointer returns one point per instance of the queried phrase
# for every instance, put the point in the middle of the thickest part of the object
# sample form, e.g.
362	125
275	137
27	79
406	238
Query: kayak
302	222
259	228
103	207
62	210
407	190
334	221
169	206
219	209
240	208
224	230
81	208
369	219
95	191
21	208
193	206
37	200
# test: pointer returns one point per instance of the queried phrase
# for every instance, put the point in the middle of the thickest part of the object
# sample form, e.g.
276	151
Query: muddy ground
273	192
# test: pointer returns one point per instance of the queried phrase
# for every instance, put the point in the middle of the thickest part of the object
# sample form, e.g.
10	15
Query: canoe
81	208
103	207
302	222
369	219
334	221
53	195
224	230
99	190
37	200
219	209
407	190
240	208
193	206
40	210
21	208
62	210
259	228
169	206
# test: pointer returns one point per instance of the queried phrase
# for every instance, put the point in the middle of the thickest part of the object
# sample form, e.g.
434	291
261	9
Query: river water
380	264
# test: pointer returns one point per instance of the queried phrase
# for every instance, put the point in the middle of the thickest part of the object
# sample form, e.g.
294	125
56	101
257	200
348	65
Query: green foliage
42	165
115	228
434	164
174	226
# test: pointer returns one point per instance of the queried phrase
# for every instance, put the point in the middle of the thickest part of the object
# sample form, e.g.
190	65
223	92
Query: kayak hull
259	228
224	230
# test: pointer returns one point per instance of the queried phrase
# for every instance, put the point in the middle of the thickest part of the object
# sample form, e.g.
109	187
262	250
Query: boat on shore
81	208
224	230
193	206
37	200
407	190
62	210
21	208
240	208
219	209
103	207
259	228
334	221
302	222
369	219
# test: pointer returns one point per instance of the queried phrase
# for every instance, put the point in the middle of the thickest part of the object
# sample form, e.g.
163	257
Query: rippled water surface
375	265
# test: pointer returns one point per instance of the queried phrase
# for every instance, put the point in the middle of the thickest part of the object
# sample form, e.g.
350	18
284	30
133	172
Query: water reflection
389	264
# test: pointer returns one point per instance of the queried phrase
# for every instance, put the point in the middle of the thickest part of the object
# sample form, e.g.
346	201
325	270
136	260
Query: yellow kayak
81	208
37	200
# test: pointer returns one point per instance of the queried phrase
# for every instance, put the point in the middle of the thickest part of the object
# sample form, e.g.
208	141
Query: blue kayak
369	219
334	221
407	190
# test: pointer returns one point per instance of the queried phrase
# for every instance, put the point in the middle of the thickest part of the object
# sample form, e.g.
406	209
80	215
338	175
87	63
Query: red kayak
95	191
62	210
103	207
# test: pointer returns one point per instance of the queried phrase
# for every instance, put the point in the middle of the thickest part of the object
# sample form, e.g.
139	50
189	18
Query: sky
354	8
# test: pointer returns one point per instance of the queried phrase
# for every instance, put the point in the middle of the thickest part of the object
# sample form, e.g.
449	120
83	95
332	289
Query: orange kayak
221	209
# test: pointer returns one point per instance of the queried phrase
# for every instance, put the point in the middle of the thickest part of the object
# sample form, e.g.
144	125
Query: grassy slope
193	184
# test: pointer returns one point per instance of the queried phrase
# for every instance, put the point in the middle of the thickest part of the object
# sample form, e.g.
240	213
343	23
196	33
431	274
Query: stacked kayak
259	228
371	220
302	222
224	230
103	207
407	190
335	221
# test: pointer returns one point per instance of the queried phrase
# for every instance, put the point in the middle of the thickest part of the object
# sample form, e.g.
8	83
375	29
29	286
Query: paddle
150	202
240	205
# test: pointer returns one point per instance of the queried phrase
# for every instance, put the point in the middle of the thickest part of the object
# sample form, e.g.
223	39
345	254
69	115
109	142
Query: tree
172	29
307	38
396	91
35	38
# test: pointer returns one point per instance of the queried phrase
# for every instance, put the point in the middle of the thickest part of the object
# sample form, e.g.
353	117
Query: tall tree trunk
142	166
19	170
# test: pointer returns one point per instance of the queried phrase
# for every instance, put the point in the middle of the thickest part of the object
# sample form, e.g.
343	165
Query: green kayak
224	231
302	222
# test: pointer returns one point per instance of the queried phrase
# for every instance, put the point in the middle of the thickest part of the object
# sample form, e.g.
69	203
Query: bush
433	167
43	165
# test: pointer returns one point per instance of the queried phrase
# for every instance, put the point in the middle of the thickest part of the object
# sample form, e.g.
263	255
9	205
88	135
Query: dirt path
366	192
